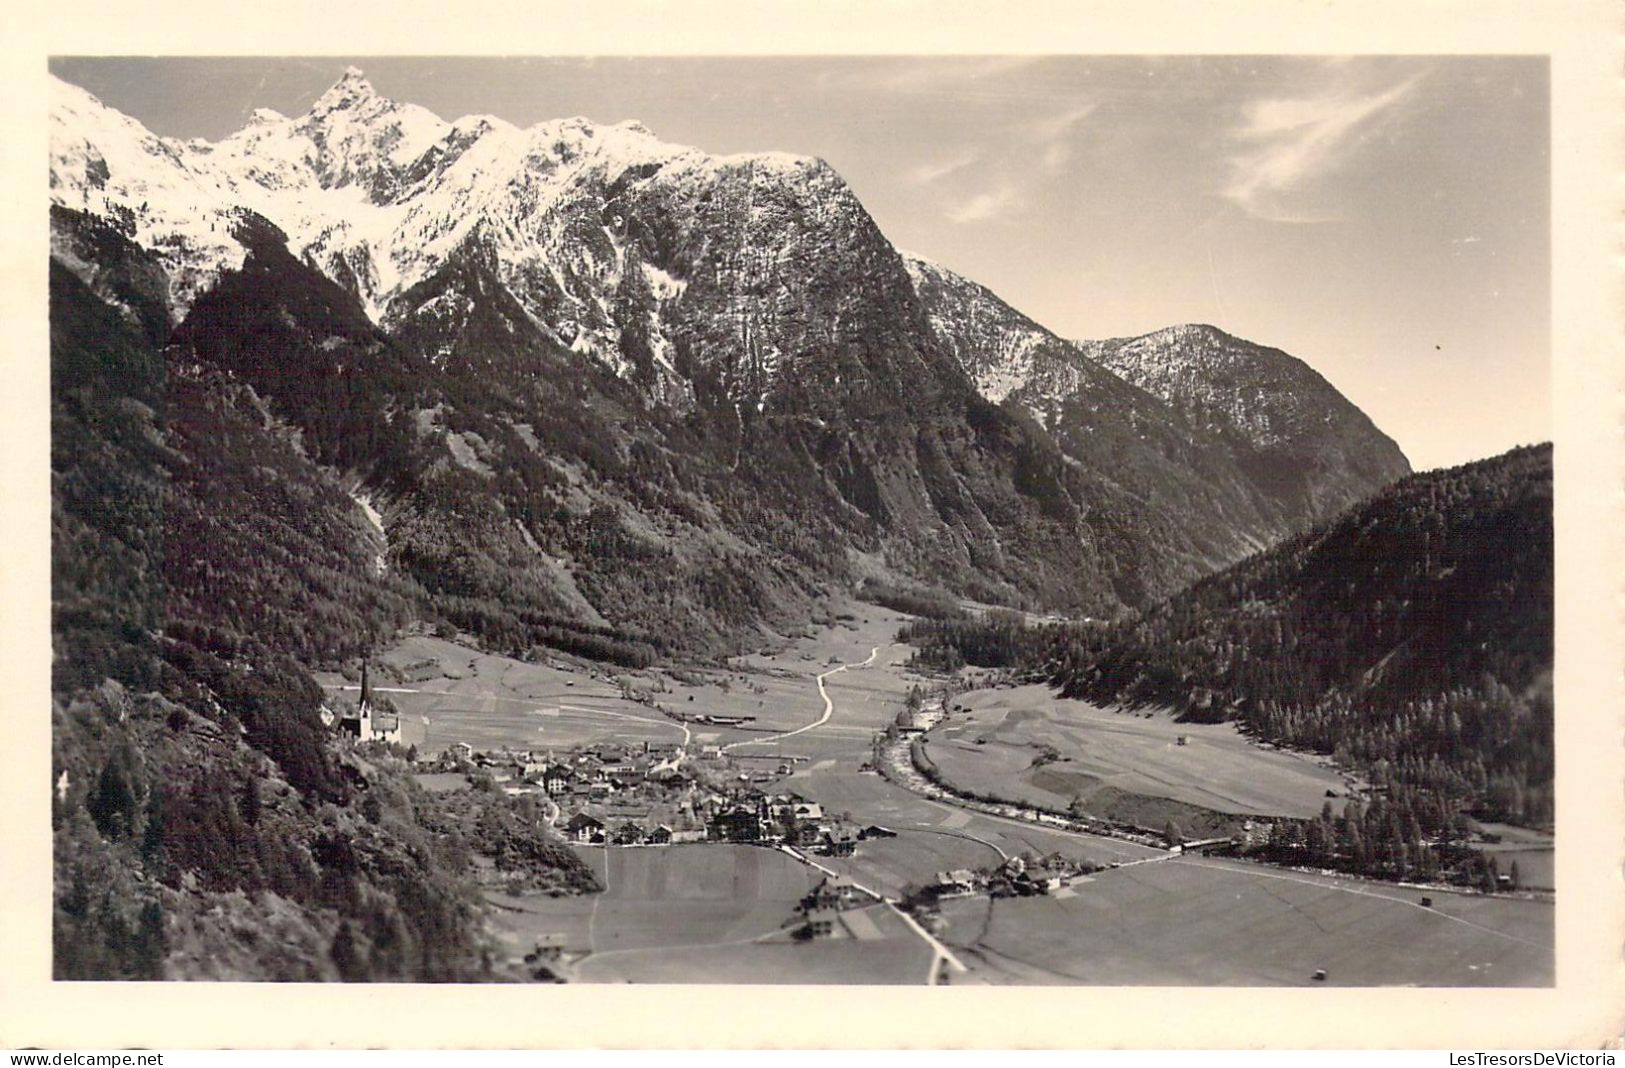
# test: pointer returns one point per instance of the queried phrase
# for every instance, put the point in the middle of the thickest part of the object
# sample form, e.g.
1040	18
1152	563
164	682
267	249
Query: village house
874	830
1039	880
556	779
628	833
584	828
660	835
739	824
818	925
671	778
834	892
549	948
960	882
838	841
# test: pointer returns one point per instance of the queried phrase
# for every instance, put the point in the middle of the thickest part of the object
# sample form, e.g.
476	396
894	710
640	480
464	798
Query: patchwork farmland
712	912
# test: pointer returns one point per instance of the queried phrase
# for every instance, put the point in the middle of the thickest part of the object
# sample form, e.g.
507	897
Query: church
368	723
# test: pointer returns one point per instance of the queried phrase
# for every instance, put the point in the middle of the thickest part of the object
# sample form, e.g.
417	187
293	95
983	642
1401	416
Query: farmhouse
818	925
960	882
835	892
737	824
556	779
838	841
549	947
1039	880
584	828
875	830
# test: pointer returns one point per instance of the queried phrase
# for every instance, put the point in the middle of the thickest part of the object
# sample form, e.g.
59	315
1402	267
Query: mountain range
566	386
586	348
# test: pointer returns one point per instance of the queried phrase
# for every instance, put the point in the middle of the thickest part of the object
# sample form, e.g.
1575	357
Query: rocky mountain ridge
710	329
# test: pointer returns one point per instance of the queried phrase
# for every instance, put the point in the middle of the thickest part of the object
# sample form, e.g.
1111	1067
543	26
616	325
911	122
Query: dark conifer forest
1410	638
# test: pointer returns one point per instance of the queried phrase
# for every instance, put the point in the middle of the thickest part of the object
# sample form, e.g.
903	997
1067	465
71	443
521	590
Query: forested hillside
1410	637
206	824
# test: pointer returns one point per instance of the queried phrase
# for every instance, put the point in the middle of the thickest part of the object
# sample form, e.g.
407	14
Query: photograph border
1583	1010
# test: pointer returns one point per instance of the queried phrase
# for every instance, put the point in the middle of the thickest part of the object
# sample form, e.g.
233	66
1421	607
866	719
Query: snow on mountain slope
1274	444
378	195
1303	439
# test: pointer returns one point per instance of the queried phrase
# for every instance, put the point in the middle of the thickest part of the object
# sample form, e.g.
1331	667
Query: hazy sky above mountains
1385	219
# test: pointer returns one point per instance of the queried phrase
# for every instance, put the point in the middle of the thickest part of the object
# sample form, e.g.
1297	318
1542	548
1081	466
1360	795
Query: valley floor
711	912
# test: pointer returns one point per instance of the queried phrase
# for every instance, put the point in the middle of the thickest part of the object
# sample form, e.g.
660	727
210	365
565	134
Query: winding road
939	952
829	706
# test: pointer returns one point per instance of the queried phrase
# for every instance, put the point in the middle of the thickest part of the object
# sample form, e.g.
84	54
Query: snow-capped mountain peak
379	195
350	90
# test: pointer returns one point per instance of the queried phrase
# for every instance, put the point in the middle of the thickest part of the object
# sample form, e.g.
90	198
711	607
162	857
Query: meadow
1189	921
717	913
708	914
992	748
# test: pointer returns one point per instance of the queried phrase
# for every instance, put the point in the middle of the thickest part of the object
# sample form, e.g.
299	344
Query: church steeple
366	691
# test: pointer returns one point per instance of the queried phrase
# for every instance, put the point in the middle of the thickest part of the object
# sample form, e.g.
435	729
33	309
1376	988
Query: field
708	913
1202	922
455	694
713	913
449	693
932	836
991	749
1531	850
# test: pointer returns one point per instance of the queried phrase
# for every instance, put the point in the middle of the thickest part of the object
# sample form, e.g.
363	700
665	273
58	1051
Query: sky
1385	219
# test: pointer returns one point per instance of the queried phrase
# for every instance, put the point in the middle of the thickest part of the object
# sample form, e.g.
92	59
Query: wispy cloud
936	170
1049	139
1286	146
1052	136
986	205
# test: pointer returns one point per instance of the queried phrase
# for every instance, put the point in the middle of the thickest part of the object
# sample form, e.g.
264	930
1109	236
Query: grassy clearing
708	914
1190	922
1217	768
456	694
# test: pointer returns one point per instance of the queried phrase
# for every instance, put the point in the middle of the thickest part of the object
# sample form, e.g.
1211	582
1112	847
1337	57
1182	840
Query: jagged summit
351	89
725	350
379	194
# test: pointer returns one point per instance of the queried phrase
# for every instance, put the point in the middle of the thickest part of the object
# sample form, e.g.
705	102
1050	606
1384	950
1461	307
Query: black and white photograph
1057	523
896	520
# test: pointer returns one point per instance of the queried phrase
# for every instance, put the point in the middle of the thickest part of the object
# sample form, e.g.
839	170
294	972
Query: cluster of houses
789	819
1016	877
593	774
